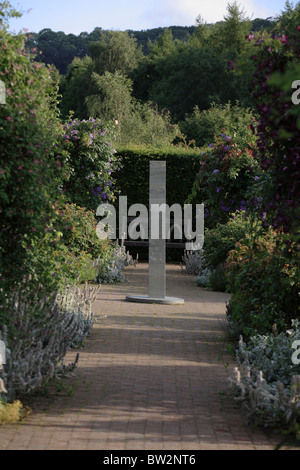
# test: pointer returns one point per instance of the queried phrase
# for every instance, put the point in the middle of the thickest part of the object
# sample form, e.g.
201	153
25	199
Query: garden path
150	377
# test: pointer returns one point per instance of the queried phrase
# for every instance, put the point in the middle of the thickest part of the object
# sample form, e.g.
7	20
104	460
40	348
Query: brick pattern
150	377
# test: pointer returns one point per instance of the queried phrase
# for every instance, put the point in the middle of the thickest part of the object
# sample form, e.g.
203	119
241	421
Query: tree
164	45
289	19
115	51
234	29
76	86
114	99
192	76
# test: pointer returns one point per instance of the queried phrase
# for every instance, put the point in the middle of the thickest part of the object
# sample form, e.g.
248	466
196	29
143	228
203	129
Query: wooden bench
170	242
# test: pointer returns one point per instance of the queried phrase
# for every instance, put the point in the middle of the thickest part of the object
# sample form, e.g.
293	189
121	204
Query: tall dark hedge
133	177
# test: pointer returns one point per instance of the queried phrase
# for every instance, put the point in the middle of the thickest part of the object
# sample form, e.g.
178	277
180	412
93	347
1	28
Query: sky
76	16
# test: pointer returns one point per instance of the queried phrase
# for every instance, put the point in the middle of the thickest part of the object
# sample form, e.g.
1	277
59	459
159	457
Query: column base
155	300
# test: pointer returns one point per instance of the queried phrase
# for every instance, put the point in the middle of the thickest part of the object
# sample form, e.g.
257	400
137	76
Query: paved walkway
151	377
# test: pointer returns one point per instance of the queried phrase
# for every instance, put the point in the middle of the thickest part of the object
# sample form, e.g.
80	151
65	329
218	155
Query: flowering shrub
29	170
77	228
275	60
263	276
222	238
227	171
91	161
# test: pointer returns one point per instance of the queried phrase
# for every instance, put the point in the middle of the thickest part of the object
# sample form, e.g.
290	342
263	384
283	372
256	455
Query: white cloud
178	12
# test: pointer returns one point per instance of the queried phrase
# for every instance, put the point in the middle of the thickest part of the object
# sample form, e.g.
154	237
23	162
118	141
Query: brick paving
150	377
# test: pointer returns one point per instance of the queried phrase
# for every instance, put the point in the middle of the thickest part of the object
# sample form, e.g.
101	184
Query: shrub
263	276
217	279
202	126
227	172
276	66
145	125
30	171
266	381
192	262
112	264
38	330
77	227
70	249
91	161
222	238
11	412
203	278
50	263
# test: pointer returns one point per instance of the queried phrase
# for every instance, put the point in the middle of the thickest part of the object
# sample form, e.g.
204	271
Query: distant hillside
59	49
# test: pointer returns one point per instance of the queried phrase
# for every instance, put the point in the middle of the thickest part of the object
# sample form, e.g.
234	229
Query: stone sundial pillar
157	242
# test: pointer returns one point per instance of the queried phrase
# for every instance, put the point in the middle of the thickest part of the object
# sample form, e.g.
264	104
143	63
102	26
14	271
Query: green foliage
222	238
137	122
29	170
203	126
217	279
76	86
289	19
114	99
55	48
133	175
264	278
77	226
190	76
116	51
163	46
90	162
234	28
70	249
147	126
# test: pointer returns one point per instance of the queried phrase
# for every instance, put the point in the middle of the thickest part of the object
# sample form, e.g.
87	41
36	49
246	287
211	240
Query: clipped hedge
133	177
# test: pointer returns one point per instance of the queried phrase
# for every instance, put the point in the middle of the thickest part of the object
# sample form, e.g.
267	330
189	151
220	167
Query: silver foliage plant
266	381
111	269
192	262
203	278
50	327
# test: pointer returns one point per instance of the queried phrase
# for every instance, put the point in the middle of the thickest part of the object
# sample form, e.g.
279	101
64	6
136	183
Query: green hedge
133	177
133	180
